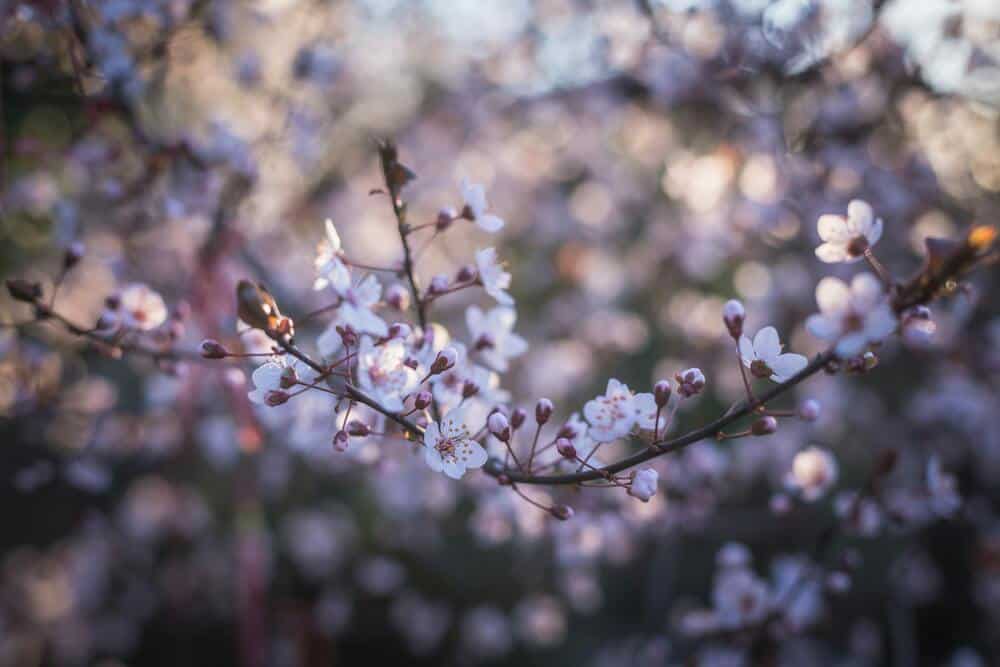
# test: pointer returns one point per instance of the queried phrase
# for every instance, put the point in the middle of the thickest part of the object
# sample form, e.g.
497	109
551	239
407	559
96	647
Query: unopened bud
661	393
517	417
543	411
444	360
24	290
275	398
764	426
499	426
341	440
809	410
400	330
73	255
567	431
358	428
445	217
733	314
566	448
422	400
398	297
690	382
213	349
561	512
465	274
439	284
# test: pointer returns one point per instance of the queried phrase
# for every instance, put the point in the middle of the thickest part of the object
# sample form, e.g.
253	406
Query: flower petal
851	345
787	365
746	350
823	327
832	253
866	291
832	228
766	344
832	295
489	223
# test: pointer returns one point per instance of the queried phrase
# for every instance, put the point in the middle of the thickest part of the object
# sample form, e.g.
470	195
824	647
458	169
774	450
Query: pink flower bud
439	284
400	330
543	411
398	297
562	512
566	448
517	417
358	428
275	398
810	410
661	393
213	349
422	400
764	426
733	314
445	217
444	360
567	431
341	440
499	426
465	274
690	382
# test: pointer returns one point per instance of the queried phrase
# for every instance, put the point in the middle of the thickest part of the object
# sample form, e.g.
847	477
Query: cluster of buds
690	382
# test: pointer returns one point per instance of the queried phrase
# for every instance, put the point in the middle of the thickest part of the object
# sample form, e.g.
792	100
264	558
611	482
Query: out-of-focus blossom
475	206
383	373
495	280
851	316
740	598
813	472
449	447
493	336
330	268
942	489
847	239
273	378
643	485
764	358
141	307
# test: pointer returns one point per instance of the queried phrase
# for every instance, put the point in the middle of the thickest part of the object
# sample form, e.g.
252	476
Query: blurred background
651	159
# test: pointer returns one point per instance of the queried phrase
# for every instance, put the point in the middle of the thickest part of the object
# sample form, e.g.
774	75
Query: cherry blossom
383	373
274	378
356	309
851	316
474	196
643	485
493	336
764	358
495	280
813	472
740	598
141	307
614	414
449	447
330	268
847	239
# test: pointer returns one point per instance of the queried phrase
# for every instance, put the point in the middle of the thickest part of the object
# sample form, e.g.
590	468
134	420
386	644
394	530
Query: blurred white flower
493	335
382	373
764	358
141	307
854	316
449	447
330	269
847	239
643	484
942	488
474	196
740	597
495	280
356	309
614	414
813	472
277	376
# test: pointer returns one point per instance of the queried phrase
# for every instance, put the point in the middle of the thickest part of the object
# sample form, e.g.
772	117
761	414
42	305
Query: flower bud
690	382
543	411
213	349
469	389
23	290
73	255
445	217
275	398
358	428
764	426
567	431
499	426
341	440
439	284
422	400
398	297
444	360
465	274
810	410
661	393
561	512
400	330
566	449
517	417
733	314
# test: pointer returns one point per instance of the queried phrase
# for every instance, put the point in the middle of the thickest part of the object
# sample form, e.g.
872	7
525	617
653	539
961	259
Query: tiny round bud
561	512
358	428
422	400
810	410
517	417
74	253
465	274
764	426
566	448
690	382
23	290
661	393
213	349
499	426
275	398
469	389
398	297
400	330
439	284
445	217
543	411
567	431
733	314
341	440
444	360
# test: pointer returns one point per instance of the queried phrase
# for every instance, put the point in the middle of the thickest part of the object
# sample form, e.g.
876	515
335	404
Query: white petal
368	292
268	376
787	365
832	295
880	323
851	345
832	253
332	237
475	320
866	291
860	217
473	454
433	459
766	344
432	435
823	327
645	411
876	232
514	345
489	223
453	424
832	228
746	350
454	469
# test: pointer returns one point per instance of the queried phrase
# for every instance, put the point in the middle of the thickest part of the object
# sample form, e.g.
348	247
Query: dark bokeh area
649	161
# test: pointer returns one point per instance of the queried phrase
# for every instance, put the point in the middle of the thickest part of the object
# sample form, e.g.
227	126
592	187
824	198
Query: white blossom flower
740	598
764	358
643	484
141	307
495	280
330	268
846	239
449	447
278	376
382	373
813	472
474	196
493	335
356	312
614	414
854	316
